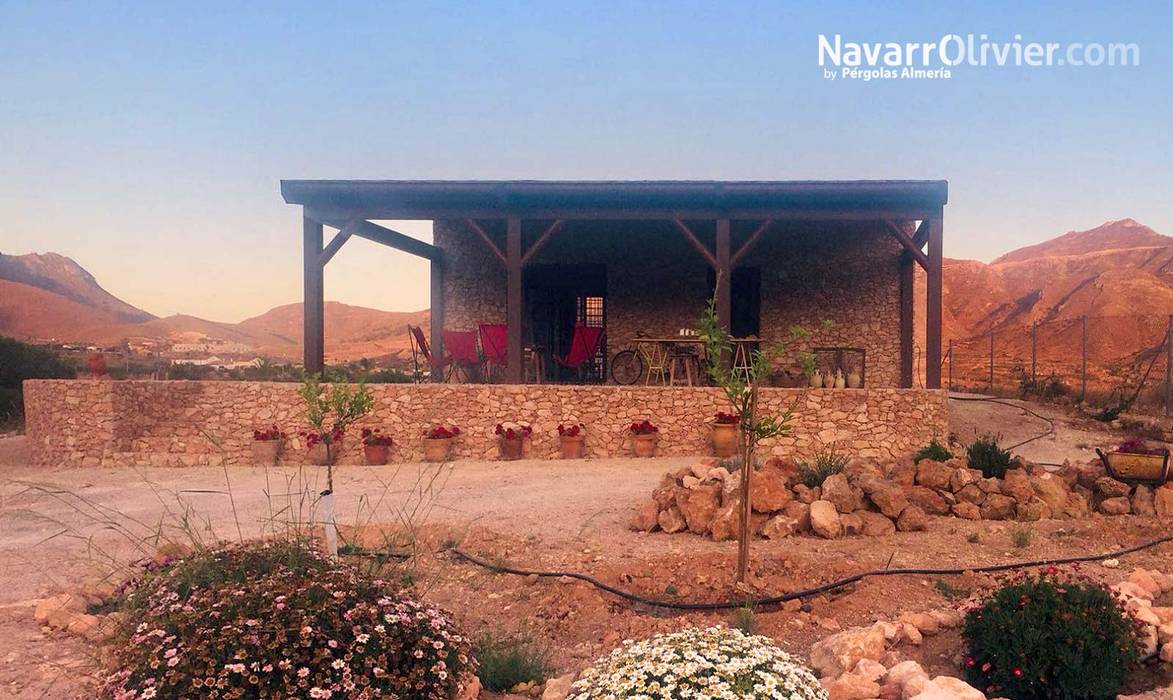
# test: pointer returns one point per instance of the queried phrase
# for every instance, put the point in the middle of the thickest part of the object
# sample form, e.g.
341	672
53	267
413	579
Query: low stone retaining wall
178	423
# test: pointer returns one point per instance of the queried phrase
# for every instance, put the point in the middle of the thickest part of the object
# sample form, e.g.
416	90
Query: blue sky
147	141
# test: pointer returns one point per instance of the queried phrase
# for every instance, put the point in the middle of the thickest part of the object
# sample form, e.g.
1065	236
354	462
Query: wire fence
1110	361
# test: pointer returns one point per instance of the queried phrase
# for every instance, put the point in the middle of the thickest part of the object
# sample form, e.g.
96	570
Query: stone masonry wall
182	423
843	272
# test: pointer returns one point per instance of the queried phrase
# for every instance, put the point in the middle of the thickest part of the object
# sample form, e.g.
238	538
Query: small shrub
973	538
1021	536
701	662
949	591
985	454
278	619
1043	637
934	451
744	619
505	661
826	463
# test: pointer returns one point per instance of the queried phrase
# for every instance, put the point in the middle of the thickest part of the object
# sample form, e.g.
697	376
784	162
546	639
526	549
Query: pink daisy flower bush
699	663
279	620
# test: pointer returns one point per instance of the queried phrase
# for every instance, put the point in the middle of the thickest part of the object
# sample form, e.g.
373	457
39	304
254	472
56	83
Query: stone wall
177	423
657	283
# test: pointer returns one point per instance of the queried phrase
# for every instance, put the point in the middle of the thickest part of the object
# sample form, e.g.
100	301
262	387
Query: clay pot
510	450
571	447
816	380
437	449
376	454
644	445
828	380
840	382
725	439
265	452
318	454
854	380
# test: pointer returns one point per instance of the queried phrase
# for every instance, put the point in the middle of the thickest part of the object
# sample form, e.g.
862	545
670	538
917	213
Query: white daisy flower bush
699	663
280	620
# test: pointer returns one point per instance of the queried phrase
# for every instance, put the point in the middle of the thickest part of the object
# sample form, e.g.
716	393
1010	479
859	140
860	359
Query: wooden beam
922	235
549	213
437	317
907	279
533	249
750	242
313	300
476	228
334	245
724	269
696	243
910	247
358	226
513	302
933	305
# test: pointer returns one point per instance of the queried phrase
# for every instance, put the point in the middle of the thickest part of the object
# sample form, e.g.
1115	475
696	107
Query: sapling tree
740	387
330	411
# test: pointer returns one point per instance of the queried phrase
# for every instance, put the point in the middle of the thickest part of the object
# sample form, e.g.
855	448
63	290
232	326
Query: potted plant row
267	444
571	440
511	439
322	449
438	442
644	436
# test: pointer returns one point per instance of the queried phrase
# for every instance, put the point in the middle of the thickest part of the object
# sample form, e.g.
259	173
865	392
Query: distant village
212	353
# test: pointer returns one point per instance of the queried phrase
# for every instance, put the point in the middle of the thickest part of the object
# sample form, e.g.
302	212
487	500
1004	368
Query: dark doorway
745	301
556	298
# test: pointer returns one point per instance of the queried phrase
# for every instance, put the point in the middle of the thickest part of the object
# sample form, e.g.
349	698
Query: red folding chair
494	340
420	349
460	351
584	346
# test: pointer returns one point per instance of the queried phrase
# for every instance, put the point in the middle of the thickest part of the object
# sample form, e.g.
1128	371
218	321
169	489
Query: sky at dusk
146	141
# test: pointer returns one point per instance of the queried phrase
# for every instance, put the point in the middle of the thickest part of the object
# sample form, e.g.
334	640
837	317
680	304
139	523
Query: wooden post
1034	345
1169	365
313	329
724	272
991	360
513	302
933	305
1083	361
437	313
907	270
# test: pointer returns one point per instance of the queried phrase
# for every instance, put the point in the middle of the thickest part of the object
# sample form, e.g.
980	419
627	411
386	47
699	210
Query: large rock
972	494
967	510
852	524
1016	484
935	475
948	688
901	676
838	490
646	518
1163	501
1118	505
887	496
850	686
699	505
1034	509
1052	491
725	522
904	473
912	519
835	655
1076	506
825	520
786	467
1108	487
928	500
1143	501
1088	474
665	496
963	477
671	520
807	494
998	507
800	513
769	490
876	524
990	485
779	527
558	688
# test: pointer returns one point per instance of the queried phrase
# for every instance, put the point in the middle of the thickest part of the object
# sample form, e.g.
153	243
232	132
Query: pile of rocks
1137	592
876	498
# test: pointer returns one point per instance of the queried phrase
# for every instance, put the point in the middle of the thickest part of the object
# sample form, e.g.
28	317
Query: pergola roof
409	199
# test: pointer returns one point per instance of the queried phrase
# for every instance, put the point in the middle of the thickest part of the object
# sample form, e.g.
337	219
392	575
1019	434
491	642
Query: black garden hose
806	593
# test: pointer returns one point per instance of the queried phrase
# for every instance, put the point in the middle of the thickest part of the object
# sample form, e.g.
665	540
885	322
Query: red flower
572	431
270	433
722	418
643	427
1017	672
970	661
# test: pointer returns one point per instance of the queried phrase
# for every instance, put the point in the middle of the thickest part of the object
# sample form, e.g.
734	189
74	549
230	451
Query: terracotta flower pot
265	452
725	439
375	454
510	449
437	449
571	447
644	445
318	454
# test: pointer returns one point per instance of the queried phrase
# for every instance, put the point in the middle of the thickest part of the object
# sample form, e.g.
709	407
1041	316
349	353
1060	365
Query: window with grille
592	312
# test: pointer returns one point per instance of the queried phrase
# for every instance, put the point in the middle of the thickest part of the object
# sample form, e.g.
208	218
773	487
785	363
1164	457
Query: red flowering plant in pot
571	439
725	427
1137	461
644	435
375	446
438	441
267	444
511	439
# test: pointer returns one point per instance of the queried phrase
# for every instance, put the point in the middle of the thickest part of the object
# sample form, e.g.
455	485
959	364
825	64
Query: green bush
1045	637
985	454
505	661
18	362
934	451
278	619
825	464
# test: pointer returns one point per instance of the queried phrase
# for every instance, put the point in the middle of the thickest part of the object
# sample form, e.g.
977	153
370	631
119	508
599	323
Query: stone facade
177	423
657	283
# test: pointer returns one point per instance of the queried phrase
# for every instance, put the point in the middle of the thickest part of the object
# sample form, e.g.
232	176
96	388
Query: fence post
1083	361
991	361
1034	344
950	356
1169	364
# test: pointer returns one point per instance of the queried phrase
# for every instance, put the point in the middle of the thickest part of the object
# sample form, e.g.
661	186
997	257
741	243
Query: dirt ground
60	528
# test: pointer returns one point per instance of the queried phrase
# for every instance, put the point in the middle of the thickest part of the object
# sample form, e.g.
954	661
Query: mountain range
1119	274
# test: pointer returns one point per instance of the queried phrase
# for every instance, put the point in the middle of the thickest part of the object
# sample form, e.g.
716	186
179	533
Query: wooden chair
684	358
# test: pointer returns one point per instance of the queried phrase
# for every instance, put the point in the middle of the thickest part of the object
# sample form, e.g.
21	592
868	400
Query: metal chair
421	350
584	346
494	340
460	352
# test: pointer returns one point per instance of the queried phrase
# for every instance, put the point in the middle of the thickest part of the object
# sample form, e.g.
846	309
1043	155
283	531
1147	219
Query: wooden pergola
911	210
